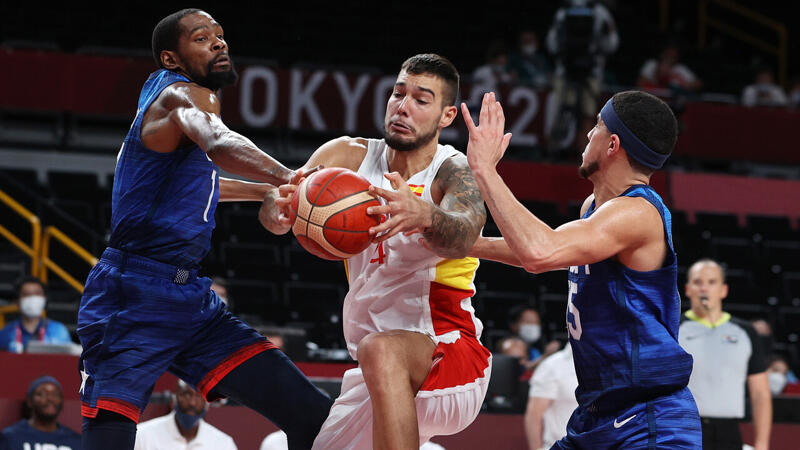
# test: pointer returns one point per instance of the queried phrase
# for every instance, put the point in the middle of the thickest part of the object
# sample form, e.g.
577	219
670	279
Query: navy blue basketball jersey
163	203
623	326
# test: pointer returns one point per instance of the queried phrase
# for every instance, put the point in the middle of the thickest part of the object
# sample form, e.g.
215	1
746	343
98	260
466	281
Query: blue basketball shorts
667	422
139	318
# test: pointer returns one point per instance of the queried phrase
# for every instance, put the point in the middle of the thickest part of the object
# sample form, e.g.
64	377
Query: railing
39	248
781	50
33	250
47	263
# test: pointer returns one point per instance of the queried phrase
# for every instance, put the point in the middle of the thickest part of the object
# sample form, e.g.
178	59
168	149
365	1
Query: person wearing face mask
525	323
781	379
183	428
31	325
529	63
727	357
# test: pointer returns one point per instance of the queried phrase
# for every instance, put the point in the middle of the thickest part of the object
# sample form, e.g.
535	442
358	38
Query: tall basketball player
623	307
408	319
144	310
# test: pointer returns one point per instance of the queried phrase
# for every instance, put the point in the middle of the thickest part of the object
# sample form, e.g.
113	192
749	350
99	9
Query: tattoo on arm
457	222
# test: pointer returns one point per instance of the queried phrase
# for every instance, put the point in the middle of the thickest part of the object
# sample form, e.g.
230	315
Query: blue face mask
187	421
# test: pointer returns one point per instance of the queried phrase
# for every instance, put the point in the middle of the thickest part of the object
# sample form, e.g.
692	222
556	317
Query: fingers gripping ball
331	208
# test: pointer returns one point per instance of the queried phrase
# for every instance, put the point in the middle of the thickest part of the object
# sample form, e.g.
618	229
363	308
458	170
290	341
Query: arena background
310	71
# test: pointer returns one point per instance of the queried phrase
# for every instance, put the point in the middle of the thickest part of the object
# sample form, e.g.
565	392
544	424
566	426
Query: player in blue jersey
623	306
144	310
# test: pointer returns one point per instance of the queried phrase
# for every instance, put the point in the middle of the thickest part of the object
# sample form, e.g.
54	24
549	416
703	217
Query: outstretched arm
231	190
619	224
195	112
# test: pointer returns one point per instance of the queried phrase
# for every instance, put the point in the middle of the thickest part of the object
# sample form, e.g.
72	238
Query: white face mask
777	381
32	305
530	333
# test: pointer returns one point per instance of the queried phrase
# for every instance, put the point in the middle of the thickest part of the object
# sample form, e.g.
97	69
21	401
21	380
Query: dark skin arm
186	114
450	228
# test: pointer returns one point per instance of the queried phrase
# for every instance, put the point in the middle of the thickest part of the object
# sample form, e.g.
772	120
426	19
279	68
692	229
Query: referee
726	355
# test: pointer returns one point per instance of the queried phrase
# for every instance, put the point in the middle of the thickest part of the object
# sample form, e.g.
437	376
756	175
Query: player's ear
614	145
170	60
449	114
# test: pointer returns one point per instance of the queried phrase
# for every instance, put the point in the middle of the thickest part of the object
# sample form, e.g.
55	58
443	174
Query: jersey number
573	315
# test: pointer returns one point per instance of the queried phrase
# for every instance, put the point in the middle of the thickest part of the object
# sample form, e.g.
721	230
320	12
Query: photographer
582	34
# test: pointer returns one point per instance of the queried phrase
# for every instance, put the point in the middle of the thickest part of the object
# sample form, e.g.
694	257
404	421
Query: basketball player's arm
618	225
497	249
344	152
195	111
232	190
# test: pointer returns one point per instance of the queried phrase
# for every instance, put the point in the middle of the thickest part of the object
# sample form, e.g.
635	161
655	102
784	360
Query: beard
216	80
586	172
405	146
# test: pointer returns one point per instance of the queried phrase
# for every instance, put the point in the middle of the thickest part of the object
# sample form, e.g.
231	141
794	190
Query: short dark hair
167	32
515	313
29	279
650	119
433	64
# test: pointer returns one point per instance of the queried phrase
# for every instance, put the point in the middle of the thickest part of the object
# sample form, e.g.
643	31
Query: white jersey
399	284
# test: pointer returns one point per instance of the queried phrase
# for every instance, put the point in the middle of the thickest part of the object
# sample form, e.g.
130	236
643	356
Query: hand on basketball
279	220
405	211
487	141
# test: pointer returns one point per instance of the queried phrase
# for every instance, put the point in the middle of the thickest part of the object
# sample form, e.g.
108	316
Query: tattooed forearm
457	222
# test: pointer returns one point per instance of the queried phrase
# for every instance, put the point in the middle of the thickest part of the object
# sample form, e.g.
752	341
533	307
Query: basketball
331	209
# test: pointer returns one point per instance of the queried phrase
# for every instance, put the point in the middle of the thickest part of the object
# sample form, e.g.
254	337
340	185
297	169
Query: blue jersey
22	436
163	203
623	326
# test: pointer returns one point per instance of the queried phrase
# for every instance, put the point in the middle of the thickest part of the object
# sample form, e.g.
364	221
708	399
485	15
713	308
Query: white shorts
448	401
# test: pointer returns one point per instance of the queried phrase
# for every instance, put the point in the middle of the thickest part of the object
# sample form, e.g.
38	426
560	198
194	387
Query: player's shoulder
344	151
586	204
184	94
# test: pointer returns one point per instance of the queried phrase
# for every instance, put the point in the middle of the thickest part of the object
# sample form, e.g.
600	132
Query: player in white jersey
408	319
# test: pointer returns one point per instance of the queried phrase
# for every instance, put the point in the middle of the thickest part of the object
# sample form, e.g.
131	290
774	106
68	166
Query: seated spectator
488	77
551	400
667	72
525	323
764	334
516	347
184	427
781	378
529	65
764	91
42	431
15	336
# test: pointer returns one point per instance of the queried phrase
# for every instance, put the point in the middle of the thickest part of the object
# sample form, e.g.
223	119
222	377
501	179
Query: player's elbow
535	261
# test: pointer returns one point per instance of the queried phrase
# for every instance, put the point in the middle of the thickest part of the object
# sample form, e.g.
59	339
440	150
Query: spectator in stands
493	73
45	401
667	72
727	355
764	91
528	64
15	336
524	322
781	378
220	286
516	347
184	427
764	333
551	400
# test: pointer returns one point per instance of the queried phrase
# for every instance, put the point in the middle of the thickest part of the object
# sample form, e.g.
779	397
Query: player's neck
412	161
47	426
30	323
610	184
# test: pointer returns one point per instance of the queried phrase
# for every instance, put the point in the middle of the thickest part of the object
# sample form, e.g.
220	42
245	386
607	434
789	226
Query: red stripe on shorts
121	407
231	362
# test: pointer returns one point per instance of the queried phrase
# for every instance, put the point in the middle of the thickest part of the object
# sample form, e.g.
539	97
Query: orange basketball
331	208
